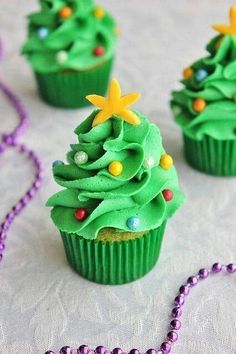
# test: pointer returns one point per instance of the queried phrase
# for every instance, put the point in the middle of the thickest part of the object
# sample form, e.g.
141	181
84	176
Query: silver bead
61	57
148	162
80	158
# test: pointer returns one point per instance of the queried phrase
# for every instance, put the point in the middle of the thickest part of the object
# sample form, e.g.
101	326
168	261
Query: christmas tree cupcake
206	107
71	50
120	188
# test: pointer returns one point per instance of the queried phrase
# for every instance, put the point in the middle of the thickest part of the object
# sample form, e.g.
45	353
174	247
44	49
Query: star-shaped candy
231	28
115	104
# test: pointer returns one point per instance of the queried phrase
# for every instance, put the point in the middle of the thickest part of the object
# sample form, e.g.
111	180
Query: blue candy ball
42	32
57	163
133	222
201	74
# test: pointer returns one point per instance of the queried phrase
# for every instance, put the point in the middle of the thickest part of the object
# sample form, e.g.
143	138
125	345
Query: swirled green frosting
218	89
112	200
77	36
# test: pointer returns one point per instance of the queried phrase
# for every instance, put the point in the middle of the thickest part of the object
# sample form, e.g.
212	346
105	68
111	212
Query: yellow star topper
115	104
231	28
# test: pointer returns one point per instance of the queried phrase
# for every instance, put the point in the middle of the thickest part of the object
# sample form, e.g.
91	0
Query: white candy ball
148	162
80	158
176	110
62	57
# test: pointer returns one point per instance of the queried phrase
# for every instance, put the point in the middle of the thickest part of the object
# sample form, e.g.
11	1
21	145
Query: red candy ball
167	194
81	214
99	51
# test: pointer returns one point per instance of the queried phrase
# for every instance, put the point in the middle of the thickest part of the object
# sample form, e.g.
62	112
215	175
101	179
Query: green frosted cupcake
120	187
205	108
71	48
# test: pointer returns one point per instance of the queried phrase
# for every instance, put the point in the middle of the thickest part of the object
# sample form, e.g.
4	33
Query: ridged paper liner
216	157
69	89
113	262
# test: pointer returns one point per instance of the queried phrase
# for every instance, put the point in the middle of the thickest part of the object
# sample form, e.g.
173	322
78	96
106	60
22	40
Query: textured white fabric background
42	302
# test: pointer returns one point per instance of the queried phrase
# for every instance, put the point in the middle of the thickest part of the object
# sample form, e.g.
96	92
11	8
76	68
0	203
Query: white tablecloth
43	303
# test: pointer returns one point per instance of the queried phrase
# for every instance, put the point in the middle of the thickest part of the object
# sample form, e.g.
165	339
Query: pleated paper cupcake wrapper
216	157
69	89
116	262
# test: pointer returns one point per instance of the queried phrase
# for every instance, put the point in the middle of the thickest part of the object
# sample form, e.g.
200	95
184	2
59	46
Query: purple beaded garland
166	347
216	268
172	336
203	273
83	349
100	350
192	281
179	300
176	312
117	351
151	351
231	268
11	140
66	350
134	351
175	324
184	290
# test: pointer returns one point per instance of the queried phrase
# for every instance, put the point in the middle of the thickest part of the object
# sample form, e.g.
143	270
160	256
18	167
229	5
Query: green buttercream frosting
76	36
217	88
112	200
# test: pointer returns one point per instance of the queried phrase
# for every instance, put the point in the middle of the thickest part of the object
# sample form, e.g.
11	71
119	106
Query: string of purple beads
176	313
11	140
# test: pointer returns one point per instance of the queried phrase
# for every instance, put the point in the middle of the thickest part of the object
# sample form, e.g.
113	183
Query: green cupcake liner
216	157
69	89
116	262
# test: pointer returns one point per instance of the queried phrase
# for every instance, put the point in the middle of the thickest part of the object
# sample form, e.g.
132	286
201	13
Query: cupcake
71	50
205	108
120	188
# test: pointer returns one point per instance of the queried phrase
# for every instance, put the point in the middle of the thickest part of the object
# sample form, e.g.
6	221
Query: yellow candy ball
115	168
187	73
99	12
166	161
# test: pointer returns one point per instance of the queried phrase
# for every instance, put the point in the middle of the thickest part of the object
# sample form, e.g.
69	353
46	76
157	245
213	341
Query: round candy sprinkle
199	104
167	194
148	162
201	74
57	163
42	32
66	350
187	73
80	158
176	110
61	56
65	12
99	51
81	214
99	12
115	168
166	161
133	222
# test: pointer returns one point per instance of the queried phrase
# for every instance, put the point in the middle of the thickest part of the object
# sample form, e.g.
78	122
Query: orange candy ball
199	104
187	73
65	12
